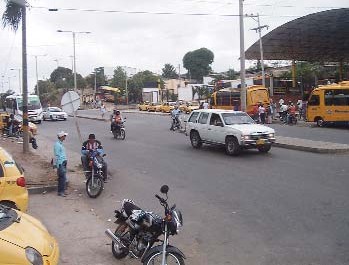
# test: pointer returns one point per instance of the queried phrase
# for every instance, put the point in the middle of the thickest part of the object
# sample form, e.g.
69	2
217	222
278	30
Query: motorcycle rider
175	117
116	121
291	113
90	145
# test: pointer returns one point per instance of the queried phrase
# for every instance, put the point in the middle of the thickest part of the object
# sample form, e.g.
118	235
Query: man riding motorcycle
116	121
89	145
175	117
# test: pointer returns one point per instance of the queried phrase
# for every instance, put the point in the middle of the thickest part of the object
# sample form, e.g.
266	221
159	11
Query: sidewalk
281	141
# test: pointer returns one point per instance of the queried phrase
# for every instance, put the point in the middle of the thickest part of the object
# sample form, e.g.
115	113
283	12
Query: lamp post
36	68
19	78
242	56
74	59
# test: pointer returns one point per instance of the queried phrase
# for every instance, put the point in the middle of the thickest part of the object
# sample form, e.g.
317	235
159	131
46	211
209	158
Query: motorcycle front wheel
171	259
94	188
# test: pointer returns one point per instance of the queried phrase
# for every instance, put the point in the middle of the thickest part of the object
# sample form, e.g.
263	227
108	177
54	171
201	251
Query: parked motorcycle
119	133
95	176
138	232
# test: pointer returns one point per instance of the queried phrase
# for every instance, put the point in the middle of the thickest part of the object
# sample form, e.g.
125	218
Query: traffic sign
70	102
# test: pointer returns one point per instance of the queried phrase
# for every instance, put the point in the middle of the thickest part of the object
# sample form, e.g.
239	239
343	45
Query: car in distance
143	106
54	114
25	240
235	130
155	107
13	191
189	106
168	106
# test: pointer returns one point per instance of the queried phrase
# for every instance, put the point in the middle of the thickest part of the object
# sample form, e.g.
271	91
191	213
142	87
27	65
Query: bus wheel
320	122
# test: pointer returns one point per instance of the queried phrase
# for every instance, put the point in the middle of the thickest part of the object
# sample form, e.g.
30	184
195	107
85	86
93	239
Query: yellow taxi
13	191
154	107
25	240
143	106
167	106
189	107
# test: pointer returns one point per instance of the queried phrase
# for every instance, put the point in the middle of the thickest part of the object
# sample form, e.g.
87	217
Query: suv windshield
237	118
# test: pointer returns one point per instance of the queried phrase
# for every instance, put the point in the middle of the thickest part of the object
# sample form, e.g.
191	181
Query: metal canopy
322	36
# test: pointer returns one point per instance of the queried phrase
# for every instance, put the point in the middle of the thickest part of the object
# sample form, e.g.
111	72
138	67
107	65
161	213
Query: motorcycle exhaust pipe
110	234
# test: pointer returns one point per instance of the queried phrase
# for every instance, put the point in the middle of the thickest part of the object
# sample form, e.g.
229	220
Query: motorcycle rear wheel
122	134
171	259
94	189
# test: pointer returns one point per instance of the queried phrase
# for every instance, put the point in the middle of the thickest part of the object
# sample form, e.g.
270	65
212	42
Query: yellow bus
229	99
329	104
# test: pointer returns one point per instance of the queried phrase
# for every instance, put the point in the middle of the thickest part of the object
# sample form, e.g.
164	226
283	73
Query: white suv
236	130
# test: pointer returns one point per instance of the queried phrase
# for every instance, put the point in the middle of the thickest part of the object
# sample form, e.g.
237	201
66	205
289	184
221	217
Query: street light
74	33
19	78
37	79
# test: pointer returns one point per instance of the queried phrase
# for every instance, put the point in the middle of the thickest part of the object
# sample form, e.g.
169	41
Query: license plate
260	142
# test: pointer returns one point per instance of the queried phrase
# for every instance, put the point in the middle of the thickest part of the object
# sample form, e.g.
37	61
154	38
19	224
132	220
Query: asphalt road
286	207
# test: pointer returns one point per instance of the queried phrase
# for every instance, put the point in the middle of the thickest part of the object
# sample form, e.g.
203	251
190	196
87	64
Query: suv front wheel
195	139
232	146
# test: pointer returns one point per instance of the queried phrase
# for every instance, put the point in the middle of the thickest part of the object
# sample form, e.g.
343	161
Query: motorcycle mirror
164	189
104	155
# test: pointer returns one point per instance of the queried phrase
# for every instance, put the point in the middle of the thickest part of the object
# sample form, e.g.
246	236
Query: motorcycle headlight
177	216
33	256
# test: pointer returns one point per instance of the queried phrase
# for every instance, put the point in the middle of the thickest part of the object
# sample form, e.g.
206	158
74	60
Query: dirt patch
37	171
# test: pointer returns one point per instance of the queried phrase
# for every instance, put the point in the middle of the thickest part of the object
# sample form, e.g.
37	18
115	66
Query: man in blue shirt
61	162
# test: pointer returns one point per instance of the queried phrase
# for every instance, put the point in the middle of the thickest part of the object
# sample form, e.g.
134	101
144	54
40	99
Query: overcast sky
142	41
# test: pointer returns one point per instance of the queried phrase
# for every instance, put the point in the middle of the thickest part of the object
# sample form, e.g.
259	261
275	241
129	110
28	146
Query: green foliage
100	78
119	79
48	92
12	15
62	77
198	63
169	71
137	82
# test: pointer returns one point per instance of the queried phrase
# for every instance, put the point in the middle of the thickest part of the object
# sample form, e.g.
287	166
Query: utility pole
37	78
242	56
259	30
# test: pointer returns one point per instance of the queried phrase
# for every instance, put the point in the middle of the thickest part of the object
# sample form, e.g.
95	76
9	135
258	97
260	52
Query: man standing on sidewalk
61	162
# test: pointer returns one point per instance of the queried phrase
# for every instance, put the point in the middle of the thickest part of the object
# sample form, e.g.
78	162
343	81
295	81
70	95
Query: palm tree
15	13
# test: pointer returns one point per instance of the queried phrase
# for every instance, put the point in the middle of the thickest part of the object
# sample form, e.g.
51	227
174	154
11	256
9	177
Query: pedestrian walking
60	162
269	112
205	105
103	110
261	111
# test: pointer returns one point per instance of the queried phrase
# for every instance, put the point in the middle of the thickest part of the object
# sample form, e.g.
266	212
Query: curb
42	189
312	149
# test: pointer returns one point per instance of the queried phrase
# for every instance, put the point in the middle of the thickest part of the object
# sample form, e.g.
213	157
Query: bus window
314	100
341	97
328	97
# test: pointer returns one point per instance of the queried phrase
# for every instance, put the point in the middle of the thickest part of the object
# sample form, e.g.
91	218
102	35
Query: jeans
62	177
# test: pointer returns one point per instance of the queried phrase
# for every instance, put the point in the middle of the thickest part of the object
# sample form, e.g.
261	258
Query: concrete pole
293	73
37	78
261	49
242	56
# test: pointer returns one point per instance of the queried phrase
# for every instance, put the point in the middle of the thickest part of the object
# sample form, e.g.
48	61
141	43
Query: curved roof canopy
322	36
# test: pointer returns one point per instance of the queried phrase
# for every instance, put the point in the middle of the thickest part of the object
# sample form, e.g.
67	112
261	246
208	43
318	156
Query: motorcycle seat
129	207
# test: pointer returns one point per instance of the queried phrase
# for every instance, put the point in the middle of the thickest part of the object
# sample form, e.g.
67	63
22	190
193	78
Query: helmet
117	112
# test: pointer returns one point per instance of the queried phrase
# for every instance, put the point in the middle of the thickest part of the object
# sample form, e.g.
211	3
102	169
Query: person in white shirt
261	111
205	105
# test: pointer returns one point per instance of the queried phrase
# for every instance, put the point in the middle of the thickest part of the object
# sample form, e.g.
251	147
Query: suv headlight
33	256
271	135
245	137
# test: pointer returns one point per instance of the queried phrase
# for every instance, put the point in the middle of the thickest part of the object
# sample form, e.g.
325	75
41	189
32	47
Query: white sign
70	102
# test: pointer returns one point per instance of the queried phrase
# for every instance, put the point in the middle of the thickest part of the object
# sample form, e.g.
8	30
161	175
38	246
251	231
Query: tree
198	63
169	71
100	78
139	81
119	79
15	12
62	77
48	92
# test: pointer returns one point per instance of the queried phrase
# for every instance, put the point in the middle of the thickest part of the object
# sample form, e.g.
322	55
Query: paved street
286	207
